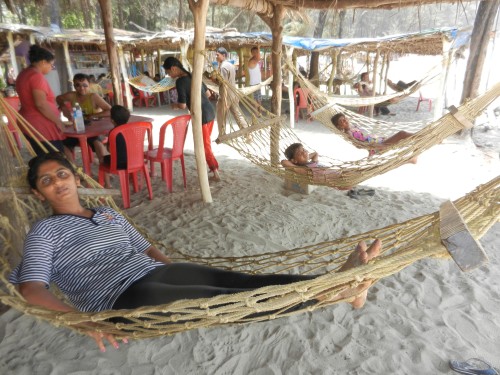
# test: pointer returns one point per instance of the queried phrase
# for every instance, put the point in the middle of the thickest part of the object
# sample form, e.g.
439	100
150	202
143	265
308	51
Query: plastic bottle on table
78	118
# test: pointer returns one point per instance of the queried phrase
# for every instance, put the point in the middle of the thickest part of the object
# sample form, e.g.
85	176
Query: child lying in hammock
301	161
379	143
100	261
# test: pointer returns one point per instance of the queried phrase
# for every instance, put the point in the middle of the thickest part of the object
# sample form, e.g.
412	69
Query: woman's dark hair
336	118
172	61
290	150
35	163
37	53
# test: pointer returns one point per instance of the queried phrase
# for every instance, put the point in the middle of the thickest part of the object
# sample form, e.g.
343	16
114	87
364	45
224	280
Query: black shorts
71	143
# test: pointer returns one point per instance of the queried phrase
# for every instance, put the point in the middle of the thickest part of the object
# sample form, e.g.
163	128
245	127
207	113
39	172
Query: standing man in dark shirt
174	69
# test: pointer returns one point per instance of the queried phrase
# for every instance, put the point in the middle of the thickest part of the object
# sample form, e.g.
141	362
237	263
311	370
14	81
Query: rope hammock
404	244
262	138
362	101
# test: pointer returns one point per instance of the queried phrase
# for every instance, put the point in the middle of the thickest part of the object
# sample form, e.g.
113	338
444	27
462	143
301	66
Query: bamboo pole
276	51
381	76
334	55
12	53
107	22
143	62
199	9
388	58
291	99
374	81
158	52
439	104
123	68
67	60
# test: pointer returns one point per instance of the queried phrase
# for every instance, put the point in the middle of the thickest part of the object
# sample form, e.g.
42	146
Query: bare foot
413	160
361	255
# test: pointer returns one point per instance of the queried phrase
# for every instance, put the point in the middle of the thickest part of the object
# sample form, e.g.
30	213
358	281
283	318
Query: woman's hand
100	338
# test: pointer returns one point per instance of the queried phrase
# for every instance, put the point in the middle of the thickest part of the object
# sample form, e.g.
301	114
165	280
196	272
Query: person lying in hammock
99	261
341	123
302	162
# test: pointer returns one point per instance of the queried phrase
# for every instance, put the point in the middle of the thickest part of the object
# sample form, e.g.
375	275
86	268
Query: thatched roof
427	42
266	7
171	38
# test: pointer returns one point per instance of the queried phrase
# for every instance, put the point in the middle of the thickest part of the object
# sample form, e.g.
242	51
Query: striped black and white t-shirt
92	261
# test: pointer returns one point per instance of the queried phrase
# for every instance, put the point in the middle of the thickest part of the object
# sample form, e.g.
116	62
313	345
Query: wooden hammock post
374	80
12	53
388	63
438	107
159	64
123	68
276	51
143	62
289	54
381	76
335	55
67	60
107	23
199	9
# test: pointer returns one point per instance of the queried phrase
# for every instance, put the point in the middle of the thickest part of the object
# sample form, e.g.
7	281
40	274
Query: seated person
93	106
380	143
99	261
94	86
365	89
119	116
302	162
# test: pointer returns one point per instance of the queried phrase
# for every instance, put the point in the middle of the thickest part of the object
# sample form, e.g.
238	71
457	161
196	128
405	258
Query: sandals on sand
473	366
357	193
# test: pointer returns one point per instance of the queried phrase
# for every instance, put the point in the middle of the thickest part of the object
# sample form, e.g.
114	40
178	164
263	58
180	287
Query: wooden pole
291	98
276	51
67	60
334	55
107	22
439	103
143	62
184	51
374	80
12	53
123	68
199	9
388	63
158	53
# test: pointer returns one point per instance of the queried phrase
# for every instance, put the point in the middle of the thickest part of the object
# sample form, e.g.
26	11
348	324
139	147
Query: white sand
413	322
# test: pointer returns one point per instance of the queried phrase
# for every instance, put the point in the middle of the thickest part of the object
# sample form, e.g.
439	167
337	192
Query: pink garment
359	135
28	80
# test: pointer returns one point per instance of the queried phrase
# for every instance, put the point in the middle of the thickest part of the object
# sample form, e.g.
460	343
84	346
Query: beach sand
414	322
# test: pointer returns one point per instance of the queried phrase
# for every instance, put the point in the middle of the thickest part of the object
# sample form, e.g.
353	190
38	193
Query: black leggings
189	281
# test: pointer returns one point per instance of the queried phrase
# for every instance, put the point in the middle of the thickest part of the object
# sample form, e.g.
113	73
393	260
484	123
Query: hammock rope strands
404	244
262	138
145	83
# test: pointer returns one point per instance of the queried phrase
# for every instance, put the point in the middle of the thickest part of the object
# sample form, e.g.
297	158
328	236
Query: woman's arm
157	255
40	99
314	156
36	294
61	101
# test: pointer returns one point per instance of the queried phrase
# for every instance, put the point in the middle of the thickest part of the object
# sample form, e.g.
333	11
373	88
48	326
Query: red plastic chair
301	102
146	98
166	156
14	104
133	134
422	99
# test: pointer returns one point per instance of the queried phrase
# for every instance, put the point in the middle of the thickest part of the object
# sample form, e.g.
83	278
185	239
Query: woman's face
46	66
173	72
55	183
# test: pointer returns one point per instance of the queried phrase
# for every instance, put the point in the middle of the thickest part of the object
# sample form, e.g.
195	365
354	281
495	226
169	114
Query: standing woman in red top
38	102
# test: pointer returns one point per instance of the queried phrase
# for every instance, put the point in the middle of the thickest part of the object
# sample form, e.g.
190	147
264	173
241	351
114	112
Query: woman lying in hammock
100	261
341	123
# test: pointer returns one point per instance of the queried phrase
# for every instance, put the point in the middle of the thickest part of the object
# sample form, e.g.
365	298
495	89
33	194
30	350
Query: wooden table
94	129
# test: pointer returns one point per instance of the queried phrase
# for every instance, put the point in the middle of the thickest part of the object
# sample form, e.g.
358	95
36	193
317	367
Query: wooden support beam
199	9
12	53
126	88
107	22
67	60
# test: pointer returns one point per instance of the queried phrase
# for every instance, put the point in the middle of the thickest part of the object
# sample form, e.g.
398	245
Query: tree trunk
87	17
481	32
120	14
107	23
180	20
314	63
199	9
55	16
